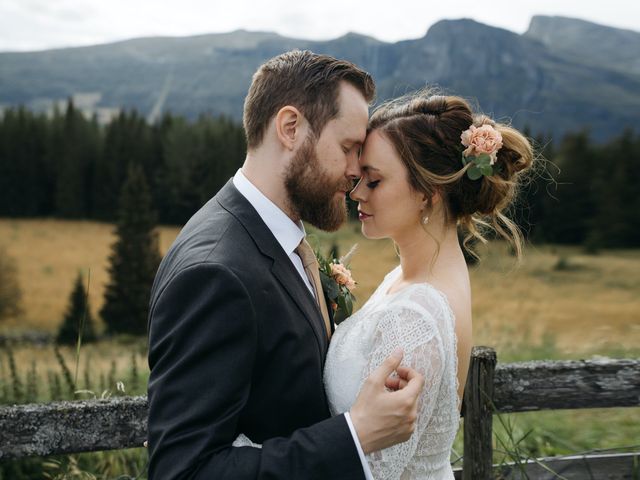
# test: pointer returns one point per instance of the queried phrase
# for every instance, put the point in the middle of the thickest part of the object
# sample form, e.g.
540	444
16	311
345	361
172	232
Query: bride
429	166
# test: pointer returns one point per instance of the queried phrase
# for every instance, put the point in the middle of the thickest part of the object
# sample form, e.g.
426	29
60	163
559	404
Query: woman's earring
425	219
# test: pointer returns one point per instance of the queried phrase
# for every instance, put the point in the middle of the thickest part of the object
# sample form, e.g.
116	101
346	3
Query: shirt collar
288	233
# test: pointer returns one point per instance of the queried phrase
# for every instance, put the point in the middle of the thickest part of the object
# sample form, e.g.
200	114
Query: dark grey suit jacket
237	345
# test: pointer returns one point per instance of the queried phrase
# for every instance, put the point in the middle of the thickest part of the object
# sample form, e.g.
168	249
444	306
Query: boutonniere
338	283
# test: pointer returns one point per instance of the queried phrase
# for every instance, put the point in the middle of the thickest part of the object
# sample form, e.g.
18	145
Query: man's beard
312	192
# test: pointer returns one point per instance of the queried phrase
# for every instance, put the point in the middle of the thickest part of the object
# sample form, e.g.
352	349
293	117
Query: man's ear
288	124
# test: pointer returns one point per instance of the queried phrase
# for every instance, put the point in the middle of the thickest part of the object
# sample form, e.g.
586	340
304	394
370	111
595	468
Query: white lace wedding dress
418	319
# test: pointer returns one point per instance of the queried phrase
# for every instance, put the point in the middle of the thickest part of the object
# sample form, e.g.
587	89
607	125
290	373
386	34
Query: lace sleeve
413	328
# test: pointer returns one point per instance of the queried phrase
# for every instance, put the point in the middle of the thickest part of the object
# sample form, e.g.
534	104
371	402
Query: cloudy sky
43	24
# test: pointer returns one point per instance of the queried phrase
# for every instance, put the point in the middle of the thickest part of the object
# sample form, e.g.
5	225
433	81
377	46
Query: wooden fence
83	426
544	385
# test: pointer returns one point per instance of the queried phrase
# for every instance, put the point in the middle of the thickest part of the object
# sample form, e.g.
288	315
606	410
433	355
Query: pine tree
22	143
127	140
78	315
78	150
134	259
570	208
617	222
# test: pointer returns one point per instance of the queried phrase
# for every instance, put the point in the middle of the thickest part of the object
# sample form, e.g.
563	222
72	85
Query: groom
238	331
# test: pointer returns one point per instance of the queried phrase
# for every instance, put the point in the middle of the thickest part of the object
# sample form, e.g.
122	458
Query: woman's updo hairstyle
425	130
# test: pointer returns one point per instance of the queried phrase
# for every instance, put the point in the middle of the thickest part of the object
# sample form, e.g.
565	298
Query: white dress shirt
289	234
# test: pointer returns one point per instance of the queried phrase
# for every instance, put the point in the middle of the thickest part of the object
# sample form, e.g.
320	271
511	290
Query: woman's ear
431	201
288	124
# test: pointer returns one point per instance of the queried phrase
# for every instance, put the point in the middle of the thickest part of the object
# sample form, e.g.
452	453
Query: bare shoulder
456	287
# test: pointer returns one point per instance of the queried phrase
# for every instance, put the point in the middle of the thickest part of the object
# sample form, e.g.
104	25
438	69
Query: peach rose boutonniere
338	284
482	145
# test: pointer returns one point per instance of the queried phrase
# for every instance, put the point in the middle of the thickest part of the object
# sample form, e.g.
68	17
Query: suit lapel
291	281
283	269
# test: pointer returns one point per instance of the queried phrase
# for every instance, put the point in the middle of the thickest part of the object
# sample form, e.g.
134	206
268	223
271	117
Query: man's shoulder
213	235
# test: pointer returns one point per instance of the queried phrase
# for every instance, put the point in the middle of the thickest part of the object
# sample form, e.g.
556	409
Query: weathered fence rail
70	427
81	426
543	385
529	386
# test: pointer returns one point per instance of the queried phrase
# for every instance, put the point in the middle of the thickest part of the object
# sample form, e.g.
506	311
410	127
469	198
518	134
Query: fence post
478	416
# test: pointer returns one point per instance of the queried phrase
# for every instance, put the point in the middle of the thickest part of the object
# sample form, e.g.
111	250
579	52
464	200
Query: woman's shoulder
415	313
423	298
406	319
423	301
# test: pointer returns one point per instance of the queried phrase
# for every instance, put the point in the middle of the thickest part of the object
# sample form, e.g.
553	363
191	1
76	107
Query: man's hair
304	80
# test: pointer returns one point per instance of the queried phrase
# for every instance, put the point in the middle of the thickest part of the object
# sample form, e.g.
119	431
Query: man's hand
399	379
382	418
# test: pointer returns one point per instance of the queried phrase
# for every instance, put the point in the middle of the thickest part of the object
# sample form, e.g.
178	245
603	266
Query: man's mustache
347	187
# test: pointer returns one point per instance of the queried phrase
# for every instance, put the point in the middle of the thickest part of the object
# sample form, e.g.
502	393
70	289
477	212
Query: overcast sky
43	24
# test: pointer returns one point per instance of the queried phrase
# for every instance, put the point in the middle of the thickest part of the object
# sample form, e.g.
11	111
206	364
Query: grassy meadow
581	304
560	303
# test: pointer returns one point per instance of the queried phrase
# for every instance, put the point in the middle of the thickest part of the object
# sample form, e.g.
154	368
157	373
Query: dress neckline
443	296
387	294
407	287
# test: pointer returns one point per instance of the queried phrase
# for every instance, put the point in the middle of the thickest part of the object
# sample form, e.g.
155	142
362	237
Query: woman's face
388	206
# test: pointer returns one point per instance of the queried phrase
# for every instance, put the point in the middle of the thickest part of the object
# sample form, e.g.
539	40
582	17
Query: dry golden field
49	255
583	304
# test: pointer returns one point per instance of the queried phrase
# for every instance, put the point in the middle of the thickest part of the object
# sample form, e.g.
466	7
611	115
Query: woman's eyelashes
373	184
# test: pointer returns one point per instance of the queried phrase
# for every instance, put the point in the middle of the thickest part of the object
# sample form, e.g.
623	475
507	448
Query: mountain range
561	75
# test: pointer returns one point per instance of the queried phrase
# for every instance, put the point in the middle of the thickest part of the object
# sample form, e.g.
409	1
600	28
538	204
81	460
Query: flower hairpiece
338	283
482	145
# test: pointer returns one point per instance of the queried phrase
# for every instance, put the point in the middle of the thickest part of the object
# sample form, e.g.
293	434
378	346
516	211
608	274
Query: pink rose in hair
479	140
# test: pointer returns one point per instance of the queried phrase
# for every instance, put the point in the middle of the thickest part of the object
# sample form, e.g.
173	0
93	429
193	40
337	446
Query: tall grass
121	464
43	374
